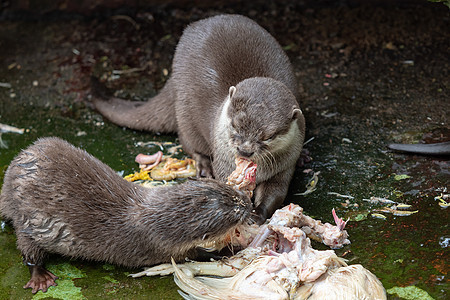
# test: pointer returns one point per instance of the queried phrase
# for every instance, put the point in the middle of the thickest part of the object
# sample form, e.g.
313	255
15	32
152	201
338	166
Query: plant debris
311	186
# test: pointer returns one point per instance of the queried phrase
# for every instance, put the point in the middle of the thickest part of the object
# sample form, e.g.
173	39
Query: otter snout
245	152
245	149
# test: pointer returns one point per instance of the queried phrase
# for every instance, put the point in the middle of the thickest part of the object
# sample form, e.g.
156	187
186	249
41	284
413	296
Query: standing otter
63	200
232	92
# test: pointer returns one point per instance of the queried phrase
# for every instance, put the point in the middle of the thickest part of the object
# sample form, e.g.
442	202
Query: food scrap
280	263
340	195
157	167
390	206
378	216
401	206
377	200
243	178
397	212
311	186
141	175
277	259
148	162
395	208
171	168
7	128
442	203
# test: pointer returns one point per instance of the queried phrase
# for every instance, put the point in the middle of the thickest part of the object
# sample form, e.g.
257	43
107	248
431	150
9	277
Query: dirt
370	73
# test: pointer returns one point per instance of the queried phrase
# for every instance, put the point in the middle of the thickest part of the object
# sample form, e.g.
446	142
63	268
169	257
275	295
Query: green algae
410	293
116	284
13	273
66	288
65	271
110	279
401	177
108	267
358	216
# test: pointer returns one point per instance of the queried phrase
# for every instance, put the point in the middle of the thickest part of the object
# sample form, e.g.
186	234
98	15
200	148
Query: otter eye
235	136
270	137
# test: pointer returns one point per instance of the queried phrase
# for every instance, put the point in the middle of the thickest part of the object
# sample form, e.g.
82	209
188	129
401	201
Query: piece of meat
243	177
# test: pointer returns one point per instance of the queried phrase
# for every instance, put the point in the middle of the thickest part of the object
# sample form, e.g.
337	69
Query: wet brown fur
212	55
62	200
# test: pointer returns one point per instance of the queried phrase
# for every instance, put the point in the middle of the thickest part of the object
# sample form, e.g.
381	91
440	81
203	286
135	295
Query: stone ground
370	73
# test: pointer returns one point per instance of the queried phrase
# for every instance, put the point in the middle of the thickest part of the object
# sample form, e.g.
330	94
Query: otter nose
245	152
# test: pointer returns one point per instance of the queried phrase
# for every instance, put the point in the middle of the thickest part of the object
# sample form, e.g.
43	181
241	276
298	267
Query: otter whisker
271	160
262	161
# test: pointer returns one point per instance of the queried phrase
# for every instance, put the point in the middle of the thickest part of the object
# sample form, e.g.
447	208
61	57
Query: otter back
228	70
62	200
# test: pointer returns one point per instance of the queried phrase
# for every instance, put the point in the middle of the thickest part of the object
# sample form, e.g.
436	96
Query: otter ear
296	112
231	91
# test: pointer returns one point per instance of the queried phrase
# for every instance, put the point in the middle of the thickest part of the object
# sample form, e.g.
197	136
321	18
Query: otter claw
41	279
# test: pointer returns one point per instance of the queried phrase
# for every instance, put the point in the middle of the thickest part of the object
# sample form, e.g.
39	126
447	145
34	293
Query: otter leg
33	256
203	163
270	195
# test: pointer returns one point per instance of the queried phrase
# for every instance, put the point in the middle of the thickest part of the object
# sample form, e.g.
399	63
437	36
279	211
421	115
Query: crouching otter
232	92
62	200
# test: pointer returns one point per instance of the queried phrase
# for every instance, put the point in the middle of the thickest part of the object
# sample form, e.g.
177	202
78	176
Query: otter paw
203	164
259	215
41	279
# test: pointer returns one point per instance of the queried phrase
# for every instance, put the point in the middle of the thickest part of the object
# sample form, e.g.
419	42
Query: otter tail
157	114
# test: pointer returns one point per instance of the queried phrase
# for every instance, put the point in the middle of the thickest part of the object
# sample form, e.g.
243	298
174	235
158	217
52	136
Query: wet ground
369	74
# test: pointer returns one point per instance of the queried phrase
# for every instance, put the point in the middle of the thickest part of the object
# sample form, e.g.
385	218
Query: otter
232	92
62	200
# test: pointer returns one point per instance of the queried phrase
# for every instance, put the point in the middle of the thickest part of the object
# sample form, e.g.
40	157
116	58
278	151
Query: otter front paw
203	166
259	215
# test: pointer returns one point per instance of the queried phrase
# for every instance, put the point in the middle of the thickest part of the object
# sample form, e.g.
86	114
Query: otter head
262	114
